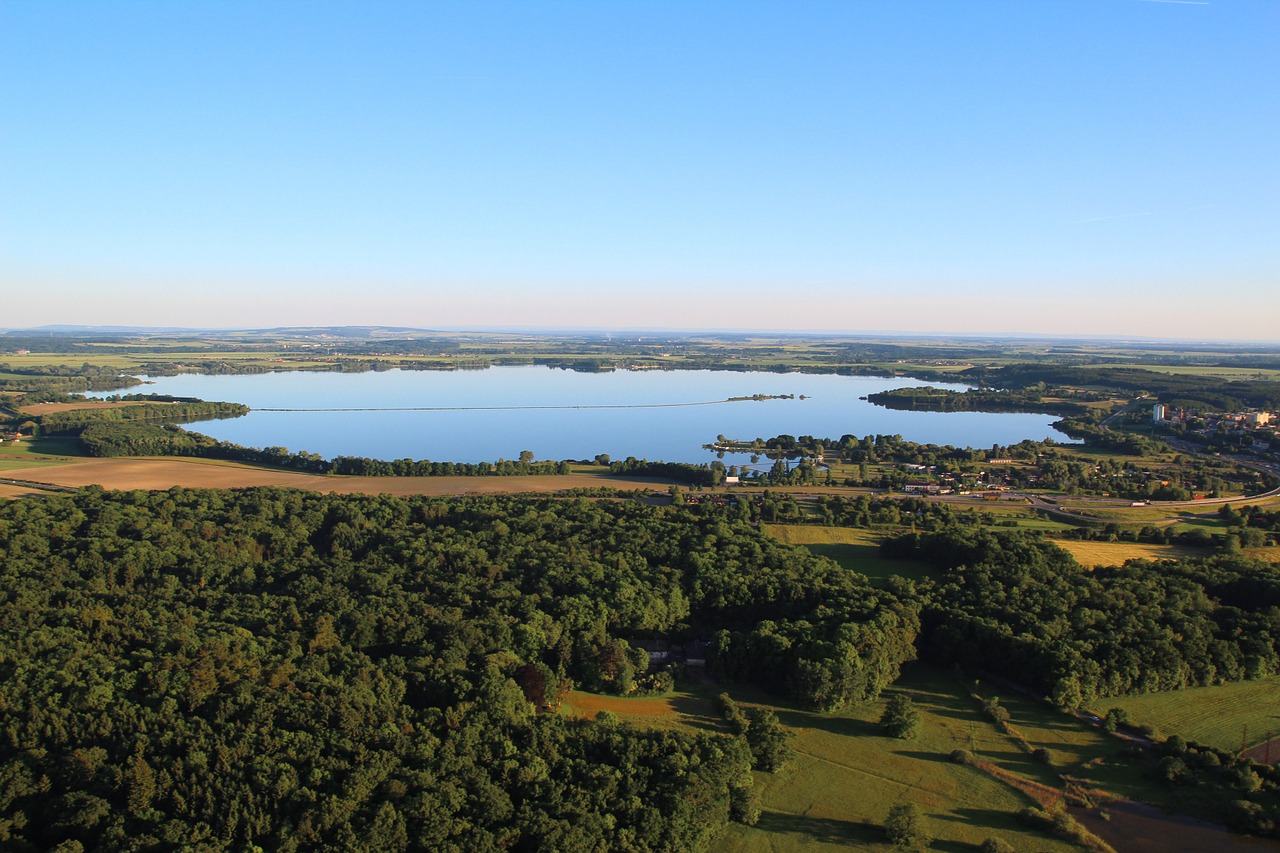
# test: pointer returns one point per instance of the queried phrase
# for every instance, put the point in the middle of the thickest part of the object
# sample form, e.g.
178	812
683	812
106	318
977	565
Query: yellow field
1094	554
8	492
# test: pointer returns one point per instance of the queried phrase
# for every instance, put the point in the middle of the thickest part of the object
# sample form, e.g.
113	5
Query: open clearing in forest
856	549
846	775
1095	554
167	472
673	711
1225	716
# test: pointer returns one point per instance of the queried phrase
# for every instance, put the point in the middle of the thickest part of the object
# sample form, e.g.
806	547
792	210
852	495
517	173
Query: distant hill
346	332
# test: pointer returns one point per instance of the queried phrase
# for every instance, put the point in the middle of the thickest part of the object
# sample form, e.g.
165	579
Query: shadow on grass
993	819
53	446
844	726
698	713
822	830
925	756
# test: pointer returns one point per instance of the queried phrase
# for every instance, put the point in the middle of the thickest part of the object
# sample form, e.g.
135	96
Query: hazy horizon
1053	169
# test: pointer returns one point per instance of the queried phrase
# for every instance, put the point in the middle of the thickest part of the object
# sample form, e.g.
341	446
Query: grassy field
1223	716
846	775
37	453
1015	515
855	549
1094	554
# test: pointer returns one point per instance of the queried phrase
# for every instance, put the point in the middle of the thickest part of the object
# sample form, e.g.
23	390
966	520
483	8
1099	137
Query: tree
905	828
526	456
1115	718
770	744
900	718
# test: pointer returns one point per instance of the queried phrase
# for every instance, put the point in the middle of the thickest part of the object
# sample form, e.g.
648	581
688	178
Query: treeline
1093	434
867	511
292	671
1018	605
1173	389
930	399
150	439
681	472
1054	467
875	448
50	383
75	421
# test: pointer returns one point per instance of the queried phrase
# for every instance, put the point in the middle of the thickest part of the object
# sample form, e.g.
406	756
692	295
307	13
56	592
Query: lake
465	423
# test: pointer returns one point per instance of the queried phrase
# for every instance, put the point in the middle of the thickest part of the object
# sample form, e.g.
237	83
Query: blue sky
1099	167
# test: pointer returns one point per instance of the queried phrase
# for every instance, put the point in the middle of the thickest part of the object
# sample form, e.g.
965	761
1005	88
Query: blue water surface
479	431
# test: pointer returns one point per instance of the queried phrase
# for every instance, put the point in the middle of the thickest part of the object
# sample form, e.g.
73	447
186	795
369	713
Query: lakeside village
1196	455
1257	428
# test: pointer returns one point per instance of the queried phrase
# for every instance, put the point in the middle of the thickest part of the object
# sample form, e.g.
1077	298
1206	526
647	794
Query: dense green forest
137	438
299	671
930	399
75	421
1017	605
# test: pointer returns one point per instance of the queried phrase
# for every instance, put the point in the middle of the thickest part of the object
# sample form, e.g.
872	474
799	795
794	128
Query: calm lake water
833	408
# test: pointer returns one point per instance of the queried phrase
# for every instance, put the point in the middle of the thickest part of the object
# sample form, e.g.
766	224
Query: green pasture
846	774
1224	716
997	514
37	453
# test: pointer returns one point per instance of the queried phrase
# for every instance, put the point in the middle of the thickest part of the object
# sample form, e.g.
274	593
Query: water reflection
832	408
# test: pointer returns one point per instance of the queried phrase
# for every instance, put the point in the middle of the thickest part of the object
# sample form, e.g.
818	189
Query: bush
904	828
997	712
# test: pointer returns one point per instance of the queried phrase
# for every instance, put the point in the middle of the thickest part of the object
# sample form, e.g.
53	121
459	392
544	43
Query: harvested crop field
1095	554
50	408
8	492
150	473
